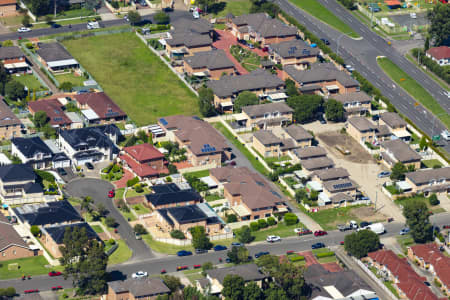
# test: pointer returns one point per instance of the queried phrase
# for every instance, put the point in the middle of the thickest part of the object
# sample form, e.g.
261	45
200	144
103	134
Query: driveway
98	190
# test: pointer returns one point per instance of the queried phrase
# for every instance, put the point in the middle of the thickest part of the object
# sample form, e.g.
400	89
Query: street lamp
338	40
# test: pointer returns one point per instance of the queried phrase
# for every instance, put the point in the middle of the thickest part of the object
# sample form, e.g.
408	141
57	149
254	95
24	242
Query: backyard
121	70
431	163
70	77
235	7
248	59
30	81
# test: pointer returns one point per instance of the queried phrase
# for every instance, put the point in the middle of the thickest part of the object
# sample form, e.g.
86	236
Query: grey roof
212	60
392	119
257	79
317	163
185	214
57	232
298	133
248	272
264	25
340	198
425	176
53	52
47	213
266	137
352	97
320	72
16	172
362	124
201	25
143	287
7	117
401	151
29	147
188	39
310	152
310	87
331	174
259	110
10	52
339	185
382	130
91	137
294	48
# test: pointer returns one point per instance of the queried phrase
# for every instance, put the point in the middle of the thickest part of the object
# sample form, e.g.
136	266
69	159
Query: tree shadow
217	7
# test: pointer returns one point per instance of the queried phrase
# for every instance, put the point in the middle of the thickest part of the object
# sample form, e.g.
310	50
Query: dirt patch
336	140
367	214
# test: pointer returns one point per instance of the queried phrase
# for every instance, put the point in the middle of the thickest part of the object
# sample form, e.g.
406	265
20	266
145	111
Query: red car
181	268
320	233
342	243
111	194
197	266
289	252
163	271
55	288
31	291
446	226
265	49
54	273
304	231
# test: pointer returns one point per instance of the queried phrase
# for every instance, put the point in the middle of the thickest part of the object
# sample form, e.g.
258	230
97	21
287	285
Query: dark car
322	120
219	248
259	254
427	283
89	166
317	246
55	25
61	171
184	253
375	117
237	244
167	9
200	251
325	41
364	224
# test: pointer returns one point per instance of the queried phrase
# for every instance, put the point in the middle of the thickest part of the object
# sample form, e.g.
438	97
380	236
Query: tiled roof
352	97
189	39
53	109
331	174
212	60
178	197
185	214
298	133
144	287
425	176
47	213
392	119
29	147
361	123
101	104
317	163
13	51
294	48
7	117
143	152
91	137
9	236
16	172
401	151
264	25
310	152
248	272
266	137
430	254
442	52
57	232
53	52
259	110
201	25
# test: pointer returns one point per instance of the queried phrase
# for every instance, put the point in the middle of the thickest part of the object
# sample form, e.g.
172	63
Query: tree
207	266
253	292
244	99
238	255
86	204
362	242
66	86
8	292
177	234
291	89
15	90
423	144
172	282
206	102
275	293
92	4
110	222
290	219
139	229
40	7
334	111
433	200
231	218
205	4
7	43
244	235
49	19
306	107
142	135
35	231
233	287
134	17
40	119
85	261
161	18
26	21
199	238
398	171
101	210
417	219
427	44
300	195
439	18
4	78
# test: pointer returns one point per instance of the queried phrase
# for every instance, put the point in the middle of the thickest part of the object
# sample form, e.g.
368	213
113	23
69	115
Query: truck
378	228
351	225
93	25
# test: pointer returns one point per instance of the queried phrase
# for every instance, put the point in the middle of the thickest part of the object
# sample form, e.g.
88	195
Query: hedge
262	223
45	176
290	219
325	254
254	226
271	221
296	258
133	181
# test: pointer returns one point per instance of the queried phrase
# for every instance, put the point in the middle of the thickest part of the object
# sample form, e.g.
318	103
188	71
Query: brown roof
331	174
101	104
317	163
400	151
233	174
259	110
431	255
352	97
143	152
143	287
425	176
441	52
310	152
339	185
9	236
298	133
266	137
54	111
7	117
361	123
392	119
8	2
383	130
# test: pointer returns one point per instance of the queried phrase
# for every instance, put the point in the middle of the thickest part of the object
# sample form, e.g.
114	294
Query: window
14	252
256	217
3	254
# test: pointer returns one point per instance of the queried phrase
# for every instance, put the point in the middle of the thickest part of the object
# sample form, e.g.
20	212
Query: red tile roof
54	111
8	2
103	106
441	52
142	170
430	254
143	152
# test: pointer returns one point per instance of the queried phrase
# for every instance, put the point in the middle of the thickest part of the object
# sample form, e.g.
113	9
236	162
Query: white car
195	14
413	15
447	93
297	230
139	274
23	29
446	135
273	238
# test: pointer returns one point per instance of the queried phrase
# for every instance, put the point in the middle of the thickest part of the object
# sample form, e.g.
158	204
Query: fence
391	30
41	66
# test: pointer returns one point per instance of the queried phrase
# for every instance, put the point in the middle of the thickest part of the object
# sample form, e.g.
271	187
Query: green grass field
136	79
282	230
122	254
31	82
319	11
329	218
435	209
198	174
27	266
140	209
75	80
164	247
430	163
236	7
414	89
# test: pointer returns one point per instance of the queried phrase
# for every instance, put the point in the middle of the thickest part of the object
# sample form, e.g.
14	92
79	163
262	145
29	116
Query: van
93	25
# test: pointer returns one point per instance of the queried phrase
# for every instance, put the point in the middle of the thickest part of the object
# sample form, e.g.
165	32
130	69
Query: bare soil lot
367	213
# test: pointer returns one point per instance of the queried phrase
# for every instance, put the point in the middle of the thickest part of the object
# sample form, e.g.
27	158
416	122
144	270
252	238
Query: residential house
144	160
260	27
319	163
330	174
429	181
171	195
204	145
12	246
32	151
10	125
13	58
184	43
441	55
4	160
54	108
269	145
148	288
76	121
345	190
361	129
355	103
268	115
395	151
322	78
310	152
98	108
55	57
90	144
212	64
434	261
52	237
18	185
293	52
8	8
302	138
228	88
396	125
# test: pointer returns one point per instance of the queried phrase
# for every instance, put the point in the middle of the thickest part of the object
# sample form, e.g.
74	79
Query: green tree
433	200
290	219
142	135
110	222
15	90
291	89
40	7
7	43
207	266
439	18
161	18
334	111
362	242
238	255
244	235
244	99
35	231
172	282
139	229
306	107
26	21
206	102
300	195
427	44
423	144
134	17
205	4
177	234
4	78
92	4
275	293
199	238
40	119
253	292
417	219
398	171
233	287
49	19
66	86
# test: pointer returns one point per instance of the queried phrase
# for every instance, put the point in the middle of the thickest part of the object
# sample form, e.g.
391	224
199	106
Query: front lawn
431	163
435	209
97	228
140	209
248	59
70	77
198	174
132	192
135	78
164	247
122	254
27	266
30	81
236	7
329	218
281	229
72	13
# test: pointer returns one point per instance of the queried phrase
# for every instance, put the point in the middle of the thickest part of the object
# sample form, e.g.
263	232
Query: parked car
375	117
413	15
139	274
167	9
259	254
61	171
184	253
446	135
126	18
219	248
55	25
196	15
181	268
137	236
89	166
54	273
235	244
23	29
364	224
404	231
265	49
447	226
320	233
250	46
143	3
304	231
384	174
55	288
325	41
317	246
273	238
200	251
111	194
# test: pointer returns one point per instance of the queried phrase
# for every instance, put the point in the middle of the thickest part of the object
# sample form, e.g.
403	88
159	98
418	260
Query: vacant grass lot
136	79
27	266
198	174
430	163
328	218
319	11
414	89
282	230
436	209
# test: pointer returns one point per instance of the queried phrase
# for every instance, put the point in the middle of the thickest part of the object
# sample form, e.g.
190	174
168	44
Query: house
268	115
330	174
361	129
340	186
269	145
434	261
318	163
185	217
204	145
396	125
228	88
170	195
302	138
8	8
429	181
98	108
184	43
32	151
52	237
90	144
293	52
324	79
343	285
395	151
48	213
4	160
54	109
55	57
310	152
212	64
249	195
10	125
355	103
144	160
441	55
13	58
145	288
213	283
12	246
260	27
18	185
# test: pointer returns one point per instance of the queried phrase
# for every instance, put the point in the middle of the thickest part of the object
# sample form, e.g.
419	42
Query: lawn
435	209
140	209
430	163
29	266
30	81
97	228
70	77
135	78
236	7
132	192
277	159
198	174
128	215
248	59
72	13
281	230
164	247
319	11
414	89
329	218
213	197
122	254
119	193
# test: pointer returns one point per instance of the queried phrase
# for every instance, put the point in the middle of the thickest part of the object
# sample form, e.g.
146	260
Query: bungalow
396	125
440	55
182	43
171	195
339	186
18	185
264	116
364	131
310	152
319	163
330	175
144	160
355	103
13	57
55	57
395	151
10	125
429	181
98	108
54	109
293	52
8	8
144	288
213	64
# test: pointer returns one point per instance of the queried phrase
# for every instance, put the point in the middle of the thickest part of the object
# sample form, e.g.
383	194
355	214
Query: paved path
309	258
122	182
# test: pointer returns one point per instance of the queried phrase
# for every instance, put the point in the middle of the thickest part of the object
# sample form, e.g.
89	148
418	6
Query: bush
271	221
231	218
111	242
433	200
43	175
290	219
161	18
35	231
177	234
139	229
138	188
110	222
325	254
262	223
254	226
132	182
296	258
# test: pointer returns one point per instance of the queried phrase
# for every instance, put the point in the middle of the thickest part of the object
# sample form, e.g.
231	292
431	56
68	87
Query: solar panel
342	185
111	114
163	121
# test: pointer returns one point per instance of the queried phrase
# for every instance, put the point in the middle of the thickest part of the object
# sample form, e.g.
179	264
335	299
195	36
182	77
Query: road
169	263
362	54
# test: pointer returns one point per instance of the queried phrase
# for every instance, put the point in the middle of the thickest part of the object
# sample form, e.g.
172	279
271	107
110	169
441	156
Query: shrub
290	219
35	230
138	188
254	226
132	182
43	175
271	221
433	200
262	223
116	168
231	218
110	222
139	229
111	242
296	258
177	234
325	254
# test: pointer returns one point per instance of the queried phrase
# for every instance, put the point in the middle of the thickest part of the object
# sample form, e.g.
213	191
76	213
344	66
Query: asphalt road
362	54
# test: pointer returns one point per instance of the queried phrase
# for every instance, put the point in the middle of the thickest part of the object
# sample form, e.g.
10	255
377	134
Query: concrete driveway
98	190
